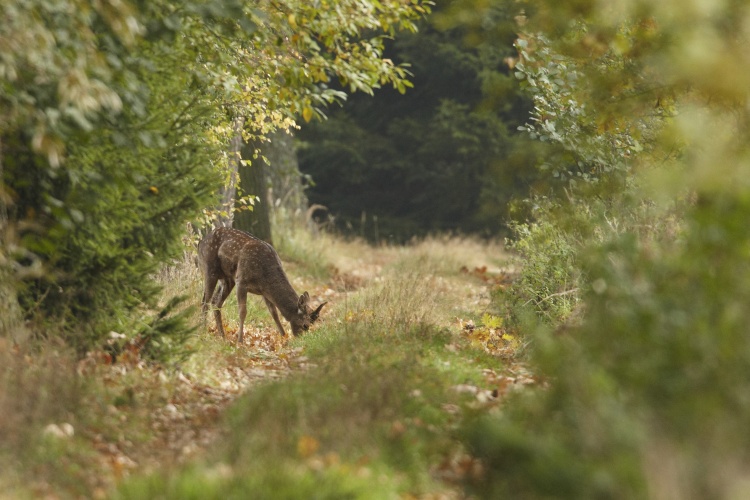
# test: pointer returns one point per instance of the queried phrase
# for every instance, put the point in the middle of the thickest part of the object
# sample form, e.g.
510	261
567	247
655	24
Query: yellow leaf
307	113
307	446
490	321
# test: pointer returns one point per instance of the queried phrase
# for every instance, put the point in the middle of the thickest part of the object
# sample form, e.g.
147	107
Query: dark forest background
445	156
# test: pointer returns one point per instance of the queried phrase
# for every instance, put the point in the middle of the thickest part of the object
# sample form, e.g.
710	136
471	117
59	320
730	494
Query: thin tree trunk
11	317
253	180
229	192
284	174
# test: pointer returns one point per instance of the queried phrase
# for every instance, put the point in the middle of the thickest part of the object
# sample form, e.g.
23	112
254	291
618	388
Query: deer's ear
303	300
316	312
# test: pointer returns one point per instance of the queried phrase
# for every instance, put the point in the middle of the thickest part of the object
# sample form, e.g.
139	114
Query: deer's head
305	315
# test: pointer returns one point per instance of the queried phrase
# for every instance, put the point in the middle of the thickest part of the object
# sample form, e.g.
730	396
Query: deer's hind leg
225	288
211	279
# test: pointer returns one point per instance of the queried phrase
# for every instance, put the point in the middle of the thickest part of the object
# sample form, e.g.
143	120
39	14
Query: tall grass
36	388
41	401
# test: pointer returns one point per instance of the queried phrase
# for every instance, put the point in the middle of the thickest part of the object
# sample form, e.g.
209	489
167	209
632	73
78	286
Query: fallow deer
234	258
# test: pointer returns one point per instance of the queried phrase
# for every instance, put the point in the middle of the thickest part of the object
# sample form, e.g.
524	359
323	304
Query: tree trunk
11	316
277	180
229	192
284	174
253	181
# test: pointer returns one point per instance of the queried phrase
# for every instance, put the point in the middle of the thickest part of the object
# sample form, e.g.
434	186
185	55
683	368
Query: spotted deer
230	258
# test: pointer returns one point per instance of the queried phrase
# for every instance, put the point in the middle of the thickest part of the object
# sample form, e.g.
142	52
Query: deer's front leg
242	305
275	314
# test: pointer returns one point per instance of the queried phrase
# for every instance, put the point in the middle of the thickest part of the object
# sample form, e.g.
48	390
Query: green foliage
587	189
550	279
281	481
592	146
646	391
678	312
563	444
115	212
646	382
550	250
164	336
444	157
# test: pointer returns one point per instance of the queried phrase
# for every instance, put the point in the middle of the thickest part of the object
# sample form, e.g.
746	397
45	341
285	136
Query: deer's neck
283	296
280	291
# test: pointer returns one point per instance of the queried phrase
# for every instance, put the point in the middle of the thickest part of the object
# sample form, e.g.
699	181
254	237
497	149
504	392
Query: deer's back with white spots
231	258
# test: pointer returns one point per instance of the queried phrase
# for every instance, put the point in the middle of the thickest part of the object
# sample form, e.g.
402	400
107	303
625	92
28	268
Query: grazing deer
235	258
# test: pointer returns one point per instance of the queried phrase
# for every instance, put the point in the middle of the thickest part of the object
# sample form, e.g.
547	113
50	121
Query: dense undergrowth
647	394
634	285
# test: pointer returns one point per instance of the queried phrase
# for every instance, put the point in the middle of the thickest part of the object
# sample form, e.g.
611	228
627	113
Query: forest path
160	419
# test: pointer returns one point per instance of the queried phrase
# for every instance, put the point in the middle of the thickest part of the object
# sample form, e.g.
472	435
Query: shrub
550	278
648	394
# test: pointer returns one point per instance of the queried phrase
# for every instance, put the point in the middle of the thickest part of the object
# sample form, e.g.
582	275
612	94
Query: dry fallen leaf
63	431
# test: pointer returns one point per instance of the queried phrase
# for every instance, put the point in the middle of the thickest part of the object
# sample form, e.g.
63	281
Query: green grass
377	403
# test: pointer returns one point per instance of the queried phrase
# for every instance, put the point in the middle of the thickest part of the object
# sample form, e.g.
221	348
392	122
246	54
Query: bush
108	219
550	278
648	395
